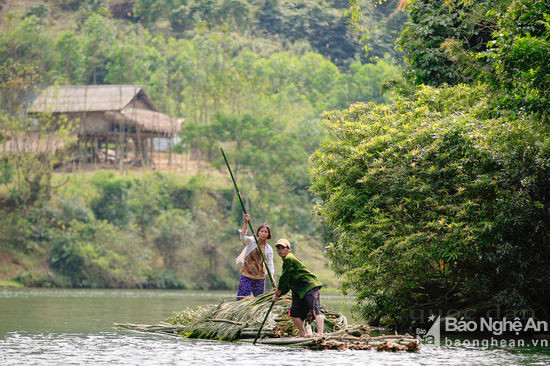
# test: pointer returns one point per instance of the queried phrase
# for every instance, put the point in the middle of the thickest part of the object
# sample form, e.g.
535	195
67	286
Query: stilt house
114	123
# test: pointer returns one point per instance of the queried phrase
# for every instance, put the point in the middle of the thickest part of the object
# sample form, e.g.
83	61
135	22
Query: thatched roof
146	120
88	98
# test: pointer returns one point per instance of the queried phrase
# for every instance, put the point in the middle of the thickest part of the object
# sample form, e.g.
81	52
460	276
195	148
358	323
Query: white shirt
250	246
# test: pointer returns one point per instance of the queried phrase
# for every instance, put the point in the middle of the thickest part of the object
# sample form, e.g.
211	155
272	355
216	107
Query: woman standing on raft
253	271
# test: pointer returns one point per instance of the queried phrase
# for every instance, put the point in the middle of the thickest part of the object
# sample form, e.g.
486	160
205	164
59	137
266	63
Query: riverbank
148	230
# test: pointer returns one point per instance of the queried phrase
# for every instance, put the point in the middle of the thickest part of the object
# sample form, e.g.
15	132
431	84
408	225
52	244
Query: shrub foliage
433	205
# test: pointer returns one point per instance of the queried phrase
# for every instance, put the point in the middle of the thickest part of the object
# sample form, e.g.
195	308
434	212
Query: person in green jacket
305	289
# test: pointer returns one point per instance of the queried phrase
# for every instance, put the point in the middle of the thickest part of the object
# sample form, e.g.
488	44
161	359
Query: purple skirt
249	286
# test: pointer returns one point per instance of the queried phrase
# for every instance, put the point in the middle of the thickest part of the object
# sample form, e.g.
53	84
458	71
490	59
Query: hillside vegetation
252	76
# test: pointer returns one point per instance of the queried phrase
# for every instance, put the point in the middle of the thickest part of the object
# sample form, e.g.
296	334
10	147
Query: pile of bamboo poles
328	341
241	320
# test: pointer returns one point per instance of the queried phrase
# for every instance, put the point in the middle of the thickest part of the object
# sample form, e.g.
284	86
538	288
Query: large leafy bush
112	202
98	254
435	206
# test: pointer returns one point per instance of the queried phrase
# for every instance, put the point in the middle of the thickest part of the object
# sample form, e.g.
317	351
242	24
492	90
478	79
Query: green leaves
519	54
172	231
440	42
96	254
419	193
112	203
504	43
70	59
6	172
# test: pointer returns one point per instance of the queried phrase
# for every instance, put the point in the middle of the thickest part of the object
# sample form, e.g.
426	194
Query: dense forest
417	132
253	77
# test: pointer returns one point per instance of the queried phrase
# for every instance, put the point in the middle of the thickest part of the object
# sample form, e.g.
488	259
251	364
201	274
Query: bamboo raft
240	321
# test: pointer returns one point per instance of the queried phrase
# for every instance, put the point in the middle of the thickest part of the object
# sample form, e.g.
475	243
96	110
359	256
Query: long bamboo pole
244	210
252	231
262	326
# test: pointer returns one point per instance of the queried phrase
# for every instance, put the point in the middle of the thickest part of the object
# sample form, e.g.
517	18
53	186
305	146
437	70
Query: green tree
502	42
111	204
138	60
26	61
181	19
236	13
70	63
147	199
316	77
172	231
6	172
365	83
69	4
41	11
148	11
519	54
98	36
97	254
325	28
433	206
441	39
270	18
384	21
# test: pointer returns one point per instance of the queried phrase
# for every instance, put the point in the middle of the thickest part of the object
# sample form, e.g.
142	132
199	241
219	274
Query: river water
70	327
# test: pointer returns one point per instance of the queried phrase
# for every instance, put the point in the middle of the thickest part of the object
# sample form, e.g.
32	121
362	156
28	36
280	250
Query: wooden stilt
106	149
120	148
170	141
